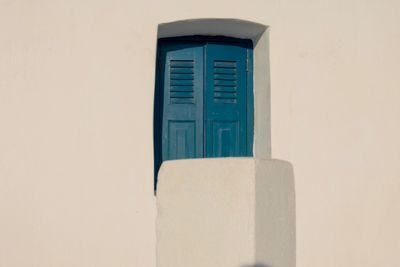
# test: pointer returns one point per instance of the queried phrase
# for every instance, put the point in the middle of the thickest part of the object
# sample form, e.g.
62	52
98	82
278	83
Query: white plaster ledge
233	212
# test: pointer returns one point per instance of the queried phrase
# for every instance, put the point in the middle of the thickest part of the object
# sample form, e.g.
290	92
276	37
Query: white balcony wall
235	212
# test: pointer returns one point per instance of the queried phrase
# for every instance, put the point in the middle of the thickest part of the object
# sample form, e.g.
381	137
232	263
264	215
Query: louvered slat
181	81
225	82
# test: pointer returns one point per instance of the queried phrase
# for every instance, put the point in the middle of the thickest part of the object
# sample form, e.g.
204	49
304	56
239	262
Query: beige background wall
76	92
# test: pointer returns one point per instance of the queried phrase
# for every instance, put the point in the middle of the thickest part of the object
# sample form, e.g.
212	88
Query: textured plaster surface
76	103
275	216
226	212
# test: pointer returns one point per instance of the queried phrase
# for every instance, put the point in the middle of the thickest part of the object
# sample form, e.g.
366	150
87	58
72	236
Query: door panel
225	140
226	101
181	139
182	122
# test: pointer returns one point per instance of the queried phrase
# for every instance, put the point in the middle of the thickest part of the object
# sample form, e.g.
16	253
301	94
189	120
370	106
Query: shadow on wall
257	265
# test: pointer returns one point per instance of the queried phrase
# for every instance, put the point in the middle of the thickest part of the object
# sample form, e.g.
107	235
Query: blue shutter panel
226	101
182	123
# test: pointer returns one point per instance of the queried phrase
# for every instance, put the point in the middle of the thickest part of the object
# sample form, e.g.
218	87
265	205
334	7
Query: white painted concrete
275	216
226	212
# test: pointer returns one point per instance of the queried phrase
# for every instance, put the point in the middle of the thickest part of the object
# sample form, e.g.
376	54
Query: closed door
205	99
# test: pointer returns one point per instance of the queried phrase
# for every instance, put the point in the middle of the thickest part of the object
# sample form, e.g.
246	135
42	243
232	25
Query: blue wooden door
226	101
204	100
182	122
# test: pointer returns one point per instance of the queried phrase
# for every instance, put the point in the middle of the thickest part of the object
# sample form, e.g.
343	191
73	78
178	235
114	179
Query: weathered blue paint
182	122
225	101
204	99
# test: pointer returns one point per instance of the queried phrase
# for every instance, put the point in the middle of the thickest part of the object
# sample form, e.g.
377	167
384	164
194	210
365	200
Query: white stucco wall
206	213
76	94
237	212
